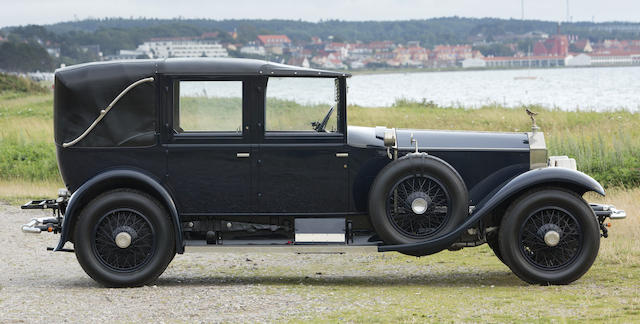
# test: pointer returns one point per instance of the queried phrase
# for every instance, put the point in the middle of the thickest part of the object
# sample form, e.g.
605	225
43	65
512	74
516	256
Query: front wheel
124	238
549	236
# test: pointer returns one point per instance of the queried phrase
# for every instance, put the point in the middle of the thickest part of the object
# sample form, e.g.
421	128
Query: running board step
291	248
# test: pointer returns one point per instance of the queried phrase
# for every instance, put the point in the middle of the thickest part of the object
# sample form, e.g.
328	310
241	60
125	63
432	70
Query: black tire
431	179
494	244
537	213
151	237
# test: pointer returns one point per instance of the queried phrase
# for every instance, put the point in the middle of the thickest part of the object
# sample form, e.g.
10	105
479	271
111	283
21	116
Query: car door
209	153
301	170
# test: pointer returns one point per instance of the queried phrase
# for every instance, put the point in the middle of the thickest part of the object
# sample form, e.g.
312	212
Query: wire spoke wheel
124	240
550	238
418	206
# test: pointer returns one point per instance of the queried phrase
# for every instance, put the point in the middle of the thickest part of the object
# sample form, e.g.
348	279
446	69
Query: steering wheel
320	126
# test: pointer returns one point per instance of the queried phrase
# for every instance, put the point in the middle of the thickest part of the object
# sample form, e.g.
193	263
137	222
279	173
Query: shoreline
460	69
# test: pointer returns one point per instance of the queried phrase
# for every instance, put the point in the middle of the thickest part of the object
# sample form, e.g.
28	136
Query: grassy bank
605	145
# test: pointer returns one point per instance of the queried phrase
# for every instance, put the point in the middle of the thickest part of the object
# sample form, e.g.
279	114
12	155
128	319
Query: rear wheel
415	198
124	238
549	236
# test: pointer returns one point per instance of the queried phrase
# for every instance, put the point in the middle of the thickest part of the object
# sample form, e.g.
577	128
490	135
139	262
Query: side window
302	105
207	106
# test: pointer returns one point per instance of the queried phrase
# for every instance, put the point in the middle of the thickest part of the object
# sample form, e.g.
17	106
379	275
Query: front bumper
609	211
603	212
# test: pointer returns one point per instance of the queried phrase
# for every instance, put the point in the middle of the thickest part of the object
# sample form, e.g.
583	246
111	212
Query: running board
291	248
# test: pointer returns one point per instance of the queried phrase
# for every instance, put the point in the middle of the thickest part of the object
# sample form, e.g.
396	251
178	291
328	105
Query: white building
253	50
473	63
611	59
182	48
578	60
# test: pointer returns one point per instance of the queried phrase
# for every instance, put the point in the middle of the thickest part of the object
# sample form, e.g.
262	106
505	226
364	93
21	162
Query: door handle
242	155
342	155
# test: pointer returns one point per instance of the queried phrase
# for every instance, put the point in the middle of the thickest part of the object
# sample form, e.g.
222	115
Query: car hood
438	140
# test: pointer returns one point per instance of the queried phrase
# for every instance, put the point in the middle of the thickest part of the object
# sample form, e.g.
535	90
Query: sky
23	12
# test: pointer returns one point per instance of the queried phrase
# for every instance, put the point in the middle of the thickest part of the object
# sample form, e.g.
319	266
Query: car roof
202	66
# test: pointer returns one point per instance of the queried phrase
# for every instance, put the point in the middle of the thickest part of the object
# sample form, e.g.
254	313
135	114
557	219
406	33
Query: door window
208	106
302	105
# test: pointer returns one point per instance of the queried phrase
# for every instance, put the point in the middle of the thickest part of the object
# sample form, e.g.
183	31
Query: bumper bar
47	224
605	211
44	224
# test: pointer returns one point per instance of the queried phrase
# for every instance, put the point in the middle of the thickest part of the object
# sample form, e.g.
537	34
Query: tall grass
19	84
606	145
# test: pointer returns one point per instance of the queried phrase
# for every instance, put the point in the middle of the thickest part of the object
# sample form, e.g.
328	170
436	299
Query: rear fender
118	179
561	177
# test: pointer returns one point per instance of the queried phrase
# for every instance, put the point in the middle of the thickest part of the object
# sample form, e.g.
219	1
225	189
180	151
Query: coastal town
545	51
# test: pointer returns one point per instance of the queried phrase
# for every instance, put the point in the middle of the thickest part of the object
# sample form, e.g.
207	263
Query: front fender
110	180
574	180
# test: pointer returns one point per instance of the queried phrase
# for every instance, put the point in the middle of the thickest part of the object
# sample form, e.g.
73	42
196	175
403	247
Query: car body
250	175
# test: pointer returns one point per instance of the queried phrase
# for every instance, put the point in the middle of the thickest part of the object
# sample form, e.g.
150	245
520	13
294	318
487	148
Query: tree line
113	34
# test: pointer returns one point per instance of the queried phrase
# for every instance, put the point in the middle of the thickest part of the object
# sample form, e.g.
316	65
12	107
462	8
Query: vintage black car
163	156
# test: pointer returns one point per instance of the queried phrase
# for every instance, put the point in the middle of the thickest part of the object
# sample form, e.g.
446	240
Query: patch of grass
604	144
17	192
14	83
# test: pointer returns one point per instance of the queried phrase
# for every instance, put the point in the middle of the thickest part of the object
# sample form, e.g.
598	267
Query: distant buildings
556	45
523	61
274	44
252	49
474	63
128	55
577	60
163	48
200	46
547	51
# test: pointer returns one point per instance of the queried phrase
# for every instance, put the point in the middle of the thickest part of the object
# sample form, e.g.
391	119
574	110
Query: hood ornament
532	115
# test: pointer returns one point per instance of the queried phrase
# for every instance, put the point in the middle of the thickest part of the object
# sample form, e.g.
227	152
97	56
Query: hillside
446	30
86	40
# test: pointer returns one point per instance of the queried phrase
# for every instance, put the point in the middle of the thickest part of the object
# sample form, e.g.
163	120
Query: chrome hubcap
123	240
419	206
551	238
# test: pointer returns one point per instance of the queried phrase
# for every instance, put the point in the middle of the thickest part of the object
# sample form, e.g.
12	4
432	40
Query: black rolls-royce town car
163	156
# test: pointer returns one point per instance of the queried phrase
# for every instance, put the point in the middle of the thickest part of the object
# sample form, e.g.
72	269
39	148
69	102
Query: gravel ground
41	286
